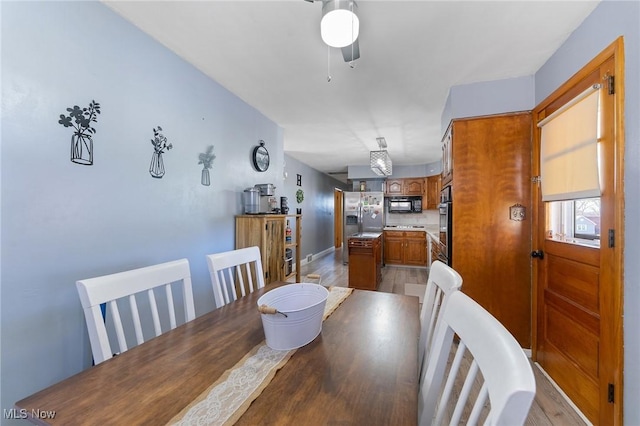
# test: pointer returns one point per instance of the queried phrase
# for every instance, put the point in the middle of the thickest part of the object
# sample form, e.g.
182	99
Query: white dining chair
128	288
229	271
442	281
501	395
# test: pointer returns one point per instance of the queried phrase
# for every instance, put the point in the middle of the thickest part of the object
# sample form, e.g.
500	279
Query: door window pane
574	221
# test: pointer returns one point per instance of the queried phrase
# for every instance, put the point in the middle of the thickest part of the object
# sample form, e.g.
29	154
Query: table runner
230	396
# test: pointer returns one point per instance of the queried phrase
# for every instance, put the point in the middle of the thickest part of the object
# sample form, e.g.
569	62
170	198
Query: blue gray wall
62	222
606	23
489	97
317	205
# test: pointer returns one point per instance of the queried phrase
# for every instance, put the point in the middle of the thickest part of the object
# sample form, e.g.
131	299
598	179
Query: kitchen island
365	260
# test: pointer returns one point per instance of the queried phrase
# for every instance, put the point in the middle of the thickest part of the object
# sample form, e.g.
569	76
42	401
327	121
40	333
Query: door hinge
612	238
536	179
611	84
266	226
611	393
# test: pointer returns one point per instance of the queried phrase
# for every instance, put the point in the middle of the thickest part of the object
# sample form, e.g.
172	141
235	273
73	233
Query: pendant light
379	160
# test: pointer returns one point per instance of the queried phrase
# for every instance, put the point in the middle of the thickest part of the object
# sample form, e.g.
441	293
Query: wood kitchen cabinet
267	232
365	263
431	197
405	248
393	187
492	157
404	186
413	186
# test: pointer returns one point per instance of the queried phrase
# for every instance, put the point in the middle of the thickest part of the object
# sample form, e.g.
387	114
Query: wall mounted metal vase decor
81	139
159	142
206	159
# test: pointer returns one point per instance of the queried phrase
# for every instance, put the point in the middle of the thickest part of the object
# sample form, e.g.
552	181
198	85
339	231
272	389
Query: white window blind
569	149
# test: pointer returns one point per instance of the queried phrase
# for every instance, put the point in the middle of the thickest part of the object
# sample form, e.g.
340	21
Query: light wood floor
549	407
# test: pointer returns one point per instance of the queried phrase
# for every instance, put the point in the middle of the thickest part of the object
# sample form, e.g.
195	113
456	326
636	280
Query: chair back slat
124	286
479	405
135	315
117	324
498	384
228	270
155	316
172	309
238	269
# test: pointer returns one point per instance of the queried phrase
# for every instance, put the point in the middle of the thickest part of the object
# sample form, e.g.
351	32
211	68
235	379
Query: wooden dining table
361	369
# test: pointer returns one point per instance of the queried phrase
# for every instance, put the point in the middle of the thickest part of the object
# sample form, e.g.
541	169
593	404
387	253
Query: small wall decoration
81	140
260	157
206	159
299	195
160	144
299	180
517	212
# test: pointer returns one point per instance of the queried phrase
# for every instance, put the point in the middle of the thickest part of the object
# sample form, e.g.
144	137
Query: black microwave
405	204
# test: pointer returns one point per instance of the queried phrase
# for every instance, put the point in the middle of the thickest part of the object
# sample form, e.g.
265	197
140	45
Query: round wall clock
260	157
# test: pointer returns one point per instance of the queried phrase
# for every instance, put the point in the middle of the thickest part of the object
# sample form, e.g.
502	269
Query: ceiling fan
340	26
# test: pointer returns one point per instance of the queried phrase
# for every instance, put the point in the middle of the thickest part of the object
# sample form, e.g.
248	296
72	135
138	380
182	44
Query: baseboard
564	395
316	256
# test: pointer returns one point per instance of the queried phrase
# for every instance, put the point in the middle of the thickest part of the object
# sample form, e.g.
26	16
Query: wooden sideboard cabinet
267	231
405	248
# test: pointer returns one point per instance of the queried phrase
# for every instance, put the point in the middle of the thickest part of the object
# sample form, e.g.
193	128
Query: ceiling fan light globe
339	28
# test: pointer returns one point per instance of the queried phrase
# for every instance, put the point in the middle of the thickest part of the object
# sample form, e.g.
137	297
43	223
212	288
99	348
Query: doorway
337	220
577	273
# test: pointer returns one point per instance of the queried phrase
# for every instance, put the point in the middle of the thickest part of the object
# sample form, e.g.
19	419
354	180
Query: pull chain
328	64
351	63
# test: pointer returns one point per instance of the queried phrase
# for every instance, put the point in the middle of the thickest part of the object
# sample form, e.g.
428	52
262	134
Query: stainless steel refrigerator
363	212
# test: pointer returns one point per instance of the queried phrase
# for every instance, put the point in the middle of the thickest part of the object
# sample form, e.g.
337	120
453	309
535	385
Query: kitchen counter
366	235
433	230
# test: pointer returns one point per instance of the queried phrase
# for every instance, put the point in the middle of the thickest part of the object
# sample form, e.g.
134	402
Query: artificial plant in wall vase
159	142
206	159
82	139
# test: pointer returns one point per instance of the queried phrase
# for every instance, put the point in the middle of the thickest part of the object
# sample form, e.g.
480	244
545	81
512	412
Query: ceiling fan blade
347	52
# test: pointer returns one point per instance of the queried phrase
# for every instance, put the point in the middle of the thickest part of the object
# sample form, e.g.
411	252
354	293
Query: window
574	221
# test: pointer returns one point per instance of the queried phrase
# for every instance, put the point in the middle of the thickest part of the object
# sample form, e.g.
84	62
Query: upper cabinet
413	186
393	187
447	158
431	198
404	186
426	187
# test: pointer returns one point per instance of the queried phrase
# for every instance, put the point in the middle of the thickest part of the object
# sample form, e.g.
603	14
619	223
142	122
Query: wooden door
432	190
393	242
274	247
394	187
337	219
578	289
415	249
413	186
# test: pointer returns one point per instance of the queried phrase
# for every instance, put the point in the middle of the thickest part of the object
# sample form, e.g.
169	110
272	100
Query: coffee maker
268	201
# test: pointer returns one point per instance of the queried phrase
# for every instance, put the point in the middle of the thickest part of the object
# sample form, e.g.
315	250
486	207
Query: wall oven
445	222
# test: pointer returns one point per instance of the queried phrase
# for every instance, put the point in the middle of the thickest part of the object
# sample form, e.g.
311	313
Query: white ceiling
270	54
